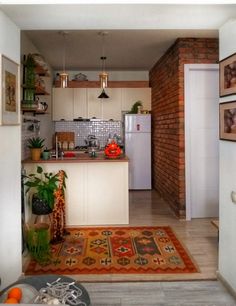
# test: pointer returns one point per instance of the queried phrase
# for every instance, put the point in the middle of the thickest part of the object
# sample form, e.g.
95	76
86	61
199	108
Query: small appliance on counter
138	149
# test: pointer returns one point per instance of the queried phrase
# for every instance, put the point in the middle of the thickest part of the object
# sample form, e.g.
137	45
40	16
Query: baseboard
226	284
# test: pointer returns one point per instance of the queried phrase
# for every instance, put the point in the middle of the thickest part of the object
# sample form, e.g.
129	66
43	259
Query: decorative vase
39	207
35	153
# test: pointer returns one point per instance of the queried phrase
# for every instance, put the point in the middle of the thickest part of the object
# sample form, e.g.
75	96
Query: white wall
10	170
227	243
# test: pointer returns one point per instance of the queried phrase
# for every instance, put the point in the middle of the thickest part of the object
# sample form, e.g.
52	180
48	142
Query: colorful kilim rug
107	250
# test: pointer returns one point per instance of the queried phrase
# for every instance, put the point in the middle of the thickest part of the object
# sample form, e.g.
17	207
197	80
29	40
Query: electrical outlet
233	197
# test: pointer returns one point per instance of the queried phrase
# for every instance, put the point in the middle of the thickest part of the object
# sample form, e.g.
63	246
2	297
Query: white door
202	140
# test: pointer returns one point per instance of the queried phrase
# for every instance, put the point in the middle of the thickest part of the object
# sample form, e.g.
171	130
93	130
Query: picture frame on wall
228	76
227	120
10	91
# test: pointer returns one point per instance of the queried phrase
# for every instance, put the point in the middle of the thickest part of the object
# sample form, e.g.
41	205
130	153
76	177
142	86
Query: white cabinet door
111	107
63	100
94	103
132	95
80	102
107	199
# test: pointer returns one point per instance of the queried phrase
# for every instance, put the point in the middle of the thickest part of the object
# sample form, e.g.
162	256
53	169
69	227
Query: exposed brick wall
167	82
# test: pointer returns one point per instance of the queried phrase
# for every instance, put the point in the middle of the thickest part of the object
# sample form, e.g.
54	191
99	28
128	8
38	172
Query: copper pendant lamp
64	76
103	76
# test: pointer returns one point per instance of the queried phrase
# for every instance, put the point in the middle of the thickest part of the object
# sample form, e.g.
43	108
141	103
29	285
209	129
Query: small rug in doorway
117	250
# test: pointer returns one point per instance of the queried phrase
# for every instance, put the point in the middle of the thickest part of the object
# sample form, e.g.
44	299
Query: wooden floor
200	238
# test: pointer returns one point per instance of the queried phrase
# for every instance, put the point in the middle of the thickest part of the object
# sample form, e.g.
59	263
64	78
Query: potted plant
135	108
35	144
44	184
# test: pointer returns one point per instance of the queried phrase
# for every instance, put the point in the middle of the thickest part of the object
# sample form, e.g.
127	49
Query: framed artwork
10	92
228	121
228	76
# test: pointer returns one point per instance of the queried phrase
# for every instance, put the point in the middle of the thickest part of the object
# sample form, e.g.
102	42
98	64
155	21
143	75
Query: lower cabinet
96	192
107	198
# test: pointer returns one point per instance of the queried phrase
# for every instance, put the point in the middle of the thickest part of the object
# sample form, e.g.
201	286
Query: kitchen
79	112
45	125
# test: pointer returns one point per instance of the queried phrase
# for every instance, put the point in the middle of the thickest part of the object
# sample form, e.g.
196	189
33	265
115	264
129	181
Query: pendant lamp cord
64	52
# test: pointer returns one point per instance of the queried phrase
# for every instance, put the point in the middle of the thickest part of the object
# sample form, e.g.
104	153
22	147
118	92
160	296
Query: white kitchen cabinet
94	103
111	107
63	104
96	193
107	201
70	103
80	103
132	95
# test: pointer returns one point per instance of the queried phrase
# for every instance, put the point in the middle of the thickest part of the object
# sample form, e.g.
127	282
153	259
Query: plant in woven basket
44	184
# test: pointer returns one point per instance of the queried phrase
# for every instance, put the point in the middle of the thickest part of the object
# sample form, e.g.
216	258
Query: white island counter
96	188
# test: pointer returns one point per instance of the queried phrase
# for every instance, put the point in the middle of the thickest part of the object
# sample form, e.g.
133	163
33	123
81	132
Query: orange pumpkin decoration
112	150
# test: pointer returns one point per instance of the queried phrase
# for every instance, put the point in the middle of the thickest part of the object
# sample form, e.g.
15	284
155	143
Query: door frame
188	68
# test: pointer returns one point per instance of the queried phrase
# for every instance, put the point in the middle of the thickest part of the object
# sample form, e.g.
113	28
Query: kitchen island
96	188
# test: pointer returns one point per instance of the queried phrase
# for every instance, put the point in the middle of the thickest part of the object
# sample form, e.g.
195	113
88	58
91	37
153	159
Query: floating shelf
31	110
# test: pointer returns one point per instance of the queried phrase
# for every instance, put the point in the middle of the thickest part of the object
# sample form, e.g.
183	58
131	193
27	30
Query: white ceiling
138	34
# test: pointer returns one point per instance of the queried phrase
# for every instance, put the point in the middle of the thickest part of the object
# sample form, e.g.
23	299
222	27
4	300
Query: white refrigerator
138	149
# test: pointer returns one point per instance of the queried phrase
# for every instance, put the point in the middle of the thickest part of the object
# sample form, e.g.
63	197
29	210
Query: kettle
92	142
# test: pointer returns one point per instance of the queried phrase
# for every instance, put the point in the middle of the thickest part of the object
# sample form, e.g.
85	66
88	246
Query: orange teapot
112	150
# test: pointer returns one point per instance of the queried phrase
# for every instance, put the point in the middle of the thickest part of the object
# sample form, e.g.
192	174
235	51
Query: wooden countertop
80	158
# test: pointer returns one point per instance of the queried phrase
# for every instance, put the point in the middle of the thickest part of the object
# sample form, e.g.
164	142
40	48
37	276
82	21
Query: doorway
201	83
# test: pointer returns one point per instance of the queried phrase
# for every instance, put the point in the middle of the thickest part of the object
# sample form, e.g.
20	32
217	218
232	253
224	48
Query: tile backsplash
101	129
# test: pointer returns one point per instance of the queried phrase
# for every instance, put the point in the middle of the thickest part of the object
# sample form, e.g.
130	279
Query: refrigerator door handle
138	127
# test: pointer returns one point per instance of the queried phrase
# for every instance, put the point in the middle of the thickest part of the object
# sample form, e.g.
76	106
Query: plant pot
39	207
35	153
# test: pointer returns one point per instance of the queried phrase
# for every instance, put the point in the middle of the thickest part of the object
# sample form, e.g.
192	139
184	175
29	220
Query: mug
46	155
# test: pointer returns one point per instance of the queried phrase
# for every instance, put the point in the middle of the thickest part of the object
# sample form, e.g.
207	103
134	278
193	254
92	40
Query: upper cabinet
94	103
132	95
111	107
80	103
71	103
63	104
104	108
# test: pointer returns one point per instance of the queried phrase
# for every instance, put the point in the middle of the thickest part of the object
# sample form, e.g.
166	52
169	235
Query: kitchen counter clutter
80	157
96	188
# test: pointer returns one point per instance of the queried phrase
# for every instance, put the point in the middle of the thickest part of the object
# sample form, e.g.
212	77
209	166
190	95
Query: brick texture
167	82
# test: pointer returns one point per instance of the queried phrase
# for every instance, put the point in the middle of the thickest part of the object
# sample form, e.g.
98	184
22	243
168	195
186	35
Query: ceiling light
64	77
103	95
103	76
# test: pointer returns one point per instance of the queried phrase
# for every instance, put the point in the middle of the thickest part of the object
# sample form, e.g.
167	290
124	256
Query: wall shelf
34	111
111	84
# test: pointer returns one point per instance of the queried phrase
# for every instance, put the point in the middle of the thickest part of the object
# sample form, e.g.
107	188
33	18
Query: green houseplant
35	144
44	187
135	106
44	184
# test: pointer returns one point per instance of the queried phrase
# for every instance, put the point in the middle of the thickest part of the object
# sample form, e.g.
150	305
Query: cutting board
65	136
